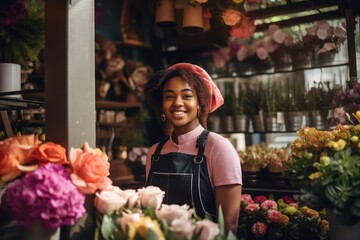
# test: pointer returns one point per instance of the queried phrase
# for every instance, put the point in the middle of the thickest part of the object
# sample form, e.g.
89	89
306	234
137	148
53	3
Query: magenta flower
46	195
11	11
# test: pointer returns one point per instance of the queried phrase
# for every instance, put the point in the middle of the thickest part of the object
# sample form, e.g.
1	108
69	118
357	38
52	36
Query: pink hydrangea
259	229
46	195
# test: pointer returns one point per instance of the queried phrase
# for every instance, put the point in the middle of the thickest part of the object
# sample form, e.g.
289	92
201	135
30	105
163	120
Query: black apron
184	178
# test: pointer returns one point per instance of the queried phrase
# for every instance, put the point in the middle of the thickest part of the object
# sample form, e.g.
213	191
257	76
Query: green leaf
107	227
221	221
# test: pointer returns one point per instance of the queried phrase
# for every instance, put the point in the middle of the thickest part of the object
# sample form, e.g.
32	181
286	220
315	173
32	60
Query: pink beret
216	99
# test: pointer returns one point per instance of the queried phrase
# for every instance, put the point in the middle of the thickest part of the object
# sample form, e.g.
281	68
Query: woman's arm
228	197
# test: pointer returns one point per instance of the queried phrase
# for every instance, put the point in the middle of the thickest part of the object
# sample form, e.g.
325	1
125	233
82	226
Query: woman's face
180	105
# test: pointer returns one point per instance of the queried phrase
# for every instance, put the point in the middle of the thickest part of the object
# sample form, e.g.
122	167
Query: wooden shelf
105	104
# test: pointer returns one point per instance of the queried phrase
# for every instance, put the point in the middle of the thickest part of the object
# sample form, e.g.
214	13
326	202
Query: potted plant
22	37
325	166
271	106
228	109
242	117
255	103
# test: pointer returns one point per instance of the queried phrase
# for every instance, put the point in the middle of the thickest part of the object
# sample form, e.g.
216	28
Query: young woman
193	166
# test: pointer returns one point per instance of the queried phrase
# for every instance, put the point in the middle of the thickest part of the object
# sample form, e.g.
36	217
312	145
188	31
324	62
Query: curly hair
154	91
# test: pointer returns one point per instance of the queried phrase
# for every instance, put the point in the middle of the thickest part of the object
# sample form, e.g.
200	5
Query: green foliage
243	107
23	41
256	99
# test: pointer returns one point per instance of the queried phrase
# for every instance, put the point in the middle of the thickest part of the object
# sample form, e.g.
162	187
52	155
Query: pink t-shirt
223	161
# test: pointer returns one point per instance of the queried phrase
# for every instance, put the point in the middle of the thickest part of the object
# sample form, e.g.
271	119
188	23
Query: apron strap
156	154
200	144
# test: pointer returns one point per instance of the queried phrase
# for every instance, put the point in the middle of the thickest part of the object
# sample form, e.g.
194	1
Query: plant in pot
318	103
22	37
271	106
228	109
325	166
255	102
242	111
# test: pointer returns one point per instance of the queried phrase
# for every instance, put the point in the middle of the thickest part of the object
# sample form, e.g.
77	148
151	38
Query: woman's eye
187	96
167	97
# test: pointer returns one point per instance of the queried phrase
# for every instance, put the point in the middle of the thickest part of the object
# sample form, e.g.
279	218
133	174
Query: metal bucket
242	123
293	120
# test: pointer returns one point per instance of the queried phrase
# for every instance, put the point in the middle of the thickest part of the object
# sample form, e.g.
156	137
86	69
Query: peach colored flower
90	170
245	29
231	17
242	53
109	201
49	153
14	152
268	204
207	229
246	198
274	215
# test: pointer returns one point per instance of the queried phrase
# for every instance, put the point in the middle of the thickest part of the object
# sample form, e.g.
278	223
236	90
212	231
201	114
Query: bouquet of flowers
265	218
326	167
42	185
140	214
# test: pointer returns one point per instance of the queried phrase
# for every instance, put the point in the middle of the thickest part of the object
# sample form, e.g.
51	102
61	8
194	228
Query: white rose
182	228
108	201
131	197
151	197
208	229
171	212
127	219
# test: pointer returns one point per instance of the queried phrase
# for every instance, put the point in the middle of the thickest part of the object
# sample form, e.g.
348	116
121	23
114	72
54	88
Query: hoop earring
163	117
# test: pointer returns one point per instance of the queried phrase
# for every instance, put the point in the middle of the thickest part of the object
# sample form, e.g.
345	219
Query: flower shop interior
73	73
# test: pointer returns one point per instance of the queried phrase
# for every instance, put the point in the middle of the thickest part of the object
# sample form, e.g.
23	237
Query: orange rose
231	17
49	153
245	29
13	153
90	170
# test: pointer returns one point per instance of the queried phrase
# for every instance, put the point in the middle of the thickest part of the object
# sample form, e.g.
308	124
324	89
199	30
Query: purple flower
47	194
11	11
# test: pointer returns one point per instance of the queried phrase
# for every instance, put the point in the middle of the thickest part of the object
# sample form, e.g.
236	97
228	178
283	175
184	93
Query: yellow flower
357	115
354	139
142	227
290	210
325	160
357	127
338	145
309	212
316	165
315	175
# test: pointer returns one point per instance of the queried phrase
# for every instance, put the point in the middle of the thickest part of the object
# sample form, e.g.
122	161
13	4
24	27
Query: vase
10	78
340	231
39	232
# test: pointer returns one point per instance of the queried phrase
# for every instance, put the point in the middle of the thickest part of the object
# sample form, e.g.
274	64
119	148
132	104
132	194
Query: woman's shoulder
217	139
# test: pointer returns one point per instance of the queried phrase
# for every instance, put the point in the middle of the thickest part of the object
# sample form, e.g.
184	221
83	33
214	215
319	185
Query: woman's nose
178	101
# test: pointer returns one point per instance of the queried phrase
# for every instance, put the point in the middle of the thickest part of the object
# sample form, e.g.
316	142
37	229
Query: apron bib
184	178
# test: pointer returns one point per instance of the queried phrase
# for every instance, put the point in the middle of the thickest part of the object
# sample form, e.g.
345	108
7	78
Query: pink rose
242	53
108	200
252	207
128	219
340	32
151	197
273	215
182	228
258	229
268	204
260	199
246	198
131	196
279	36
231	17
171	212
207	229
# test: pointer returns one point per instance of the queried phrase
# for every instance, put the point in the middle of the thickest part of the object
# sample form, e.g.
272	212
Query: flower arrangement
266	218
140	214
325	166
22	30
262	156
42	184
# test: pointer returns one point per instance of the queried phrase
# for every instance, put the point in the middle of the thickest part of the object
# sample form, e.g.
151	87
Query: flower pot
317	120
228	123
193	19
165	13
293	121
323	59
251	168
214	123
10	78
242	123
273	168
270	121
257	123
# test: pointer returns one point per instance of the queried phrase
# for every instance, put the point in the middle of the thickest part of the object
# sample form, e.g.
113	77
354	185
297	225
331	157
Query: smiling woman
192	165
